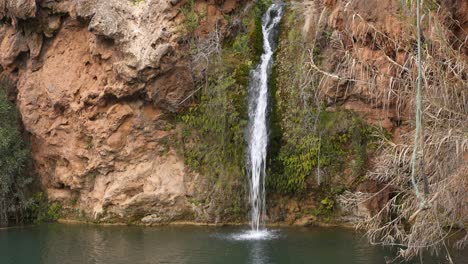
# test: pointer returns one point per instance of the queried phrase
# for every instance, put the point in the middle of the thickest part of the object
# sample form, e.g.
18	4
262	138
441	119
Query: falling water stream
258	128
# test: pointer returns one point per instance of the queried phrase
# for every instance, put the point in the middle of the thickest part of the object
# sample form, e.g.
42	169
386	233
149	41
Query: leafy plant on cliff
192	18
339	140
217	145
43	211
14	157
306	139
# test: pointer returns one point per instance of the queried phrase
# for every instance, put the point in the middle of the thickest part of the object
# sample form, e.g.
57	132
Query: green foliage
342	136
14	157
216	125
256	34
326	197
43	211
192	18
213	136
305	137
339	139
297	160
253	24
263	5
213	133
324	209
294	40
240	45
327	204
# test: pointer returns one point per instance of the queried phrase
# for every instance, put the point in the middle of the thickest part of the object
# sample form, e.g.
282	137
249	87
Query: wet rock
306	221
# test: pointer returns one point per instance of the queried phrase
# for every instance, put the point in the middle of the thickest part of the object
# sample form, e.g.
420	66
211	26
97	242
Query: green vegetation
338	141
217	123
192	18
326	206
14	157
16	202
306	137
214	126
253	22
43	211
326	201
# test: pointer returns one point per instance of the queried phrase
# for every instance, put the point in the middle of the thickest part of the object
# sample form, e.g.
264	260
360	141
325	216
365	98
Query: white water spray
258	128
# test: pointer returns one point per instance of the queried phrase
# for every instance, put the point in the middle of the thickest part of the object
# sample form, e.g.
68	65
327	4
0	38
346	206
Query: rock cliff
97	84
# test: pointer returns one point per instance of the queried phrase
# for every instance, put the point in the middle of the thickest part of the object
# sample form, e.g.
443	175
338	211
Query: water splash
255	235
258	129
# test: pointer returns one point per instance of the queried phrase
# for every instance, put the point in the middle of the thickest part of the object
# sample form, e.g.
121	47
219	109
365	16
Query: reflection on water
258	253
82	244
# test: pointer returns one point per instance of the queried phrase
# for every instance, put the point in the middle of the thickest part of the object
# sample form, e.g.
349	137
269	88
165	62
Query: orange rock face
96	82
90	145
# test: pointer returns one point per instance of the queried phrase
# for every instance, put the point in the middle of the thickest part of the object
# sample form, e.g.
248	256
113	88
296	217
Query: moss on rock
307	138
214	126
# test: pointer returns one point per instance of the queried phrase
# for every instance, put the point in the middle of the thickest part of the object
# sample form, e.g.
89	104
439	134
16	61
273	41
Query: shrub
14	157
192	19
43	211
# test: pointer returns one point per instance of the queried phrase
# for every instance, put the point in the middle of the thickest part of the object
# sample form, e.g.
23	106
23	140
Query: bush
43	211
218	141
14	157
192	18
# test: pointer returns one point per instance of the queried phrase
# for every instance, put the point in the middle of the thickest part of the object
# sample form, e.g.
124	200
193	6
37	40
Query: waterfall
258	128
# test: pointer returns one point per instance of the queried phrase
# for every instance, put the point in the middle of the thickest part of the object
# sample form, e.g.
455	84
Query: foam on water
263	234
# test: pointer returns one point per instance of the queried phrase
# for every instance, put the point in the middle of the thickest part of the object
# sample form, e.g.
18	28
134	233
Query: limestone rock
20	8
3	10
53	24
11	45
95	80
86	8
34	42
169	91
109	19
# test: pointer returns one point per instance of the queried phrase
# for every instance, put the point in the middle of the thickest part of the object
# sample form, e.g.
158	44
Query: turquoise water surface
81	244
